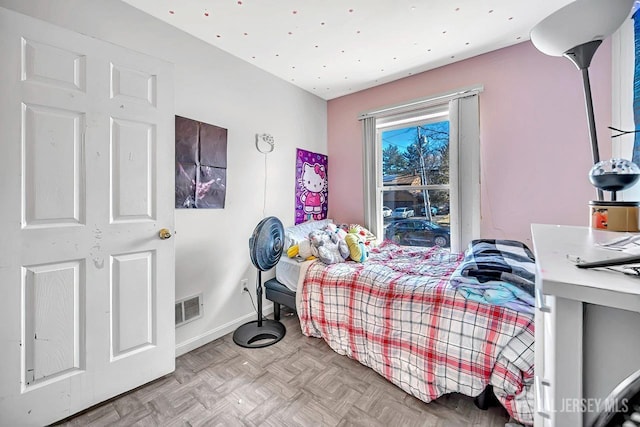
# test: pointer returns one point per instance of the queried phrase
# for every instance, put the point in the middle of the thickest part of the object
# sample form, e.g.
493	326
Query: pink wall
535	149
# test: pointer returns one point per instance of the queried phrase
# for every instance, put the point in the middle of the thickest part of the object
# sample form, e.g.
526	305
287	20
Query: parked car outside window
418	232
386	212
403	213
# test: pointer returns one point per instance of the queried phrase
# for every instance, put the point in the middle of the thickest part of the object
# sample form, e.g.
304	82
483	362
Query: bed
399	314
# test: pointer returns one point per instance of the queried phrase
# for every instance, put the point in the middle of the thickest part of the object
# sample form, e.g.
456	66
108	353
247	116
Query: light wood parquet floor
299	381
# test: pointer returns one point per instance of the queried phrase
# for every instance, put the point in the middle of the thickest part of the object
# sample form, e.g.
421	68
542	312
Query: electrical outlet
243	286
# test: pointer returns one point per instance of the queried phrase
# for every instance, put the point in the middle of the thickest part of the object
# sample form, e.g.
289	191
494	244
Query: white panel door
86	282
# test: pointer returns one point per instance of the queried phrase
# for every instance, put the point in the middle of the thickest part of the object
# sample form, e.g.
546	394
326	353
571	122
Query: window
422	167
415	174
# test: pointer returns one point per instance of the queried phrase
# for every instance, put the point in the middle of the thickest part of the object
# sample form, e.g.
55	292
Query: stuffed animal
335	230
304	250
334	244
367	237
330	249
357	249
293	251
370	239
337	235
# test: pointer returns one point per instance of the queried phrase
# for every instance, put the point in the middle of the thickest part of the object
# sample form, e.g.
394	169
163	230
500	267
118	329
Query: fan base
250	335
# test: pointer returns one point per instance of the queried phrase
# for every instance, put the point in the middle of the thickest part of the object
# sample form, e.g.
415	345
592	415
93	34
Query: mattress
291	271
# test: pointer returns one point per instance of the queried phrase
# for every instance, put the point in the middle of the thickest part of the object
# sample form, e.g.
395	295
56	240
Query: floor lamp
575	32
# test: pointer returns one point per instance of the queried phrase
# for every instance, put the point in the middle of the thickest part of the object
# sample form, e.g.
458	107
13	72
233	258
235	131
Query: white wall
214	87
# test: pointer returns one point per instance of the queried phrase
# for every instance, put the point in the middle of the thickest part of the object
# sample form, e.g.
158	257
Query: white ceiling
337	47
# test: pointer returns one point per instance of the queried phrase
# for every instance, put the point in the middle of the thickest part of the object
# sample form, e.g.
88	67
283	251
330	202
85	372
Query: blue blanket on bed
498	272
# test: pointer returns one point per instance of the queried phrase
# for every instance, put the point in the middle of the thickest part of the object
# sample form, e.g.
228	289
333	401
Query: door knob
165	233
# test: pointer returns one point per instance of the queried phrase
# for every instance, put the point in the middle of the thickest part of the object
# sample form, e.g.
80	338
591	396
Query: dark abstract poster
201	164
311	186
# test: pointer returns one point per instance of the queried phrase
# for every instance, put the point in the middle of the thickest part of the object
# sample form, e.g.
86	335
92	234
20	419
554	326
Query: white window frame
464	158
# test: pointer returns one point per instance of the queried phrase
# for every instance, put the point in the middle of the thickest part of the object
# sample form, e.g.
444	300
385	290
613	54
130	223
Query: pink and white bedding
398	314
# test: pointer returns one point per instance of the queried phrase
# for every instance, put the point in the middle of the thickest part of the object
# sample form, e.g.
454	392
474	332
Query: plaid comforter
398	314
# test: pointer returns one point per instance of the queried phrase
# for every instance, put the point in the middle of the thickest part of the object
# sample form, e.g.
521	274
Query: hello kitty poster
311	186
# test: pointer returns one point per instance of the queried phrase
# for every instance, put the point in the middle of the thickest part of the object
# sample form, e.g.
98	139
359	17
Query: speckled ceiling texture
336	47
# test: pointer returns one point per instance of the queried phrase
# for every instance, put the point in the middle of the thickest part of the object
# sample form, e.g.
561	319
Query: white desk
574	307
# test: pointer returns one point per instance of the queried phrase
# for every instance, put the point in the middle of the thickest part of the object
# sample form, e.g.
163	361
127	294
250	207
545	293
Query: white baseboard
220	331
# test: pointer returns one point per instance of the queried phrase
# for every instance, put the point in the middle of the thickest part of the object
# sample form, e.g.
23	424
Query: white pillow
296	233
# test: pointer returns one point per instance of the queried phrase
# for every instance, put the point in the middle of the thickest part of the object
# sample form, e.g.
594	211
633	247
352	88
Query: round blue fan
265	248
266	243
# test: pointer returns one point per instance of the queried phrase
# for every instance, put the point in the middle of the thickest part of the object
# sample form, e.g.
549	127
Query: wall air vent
188	309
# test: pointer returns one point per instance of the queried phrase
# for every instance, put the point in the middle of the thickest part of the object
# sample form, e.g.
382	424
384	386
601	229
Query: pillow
296	233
